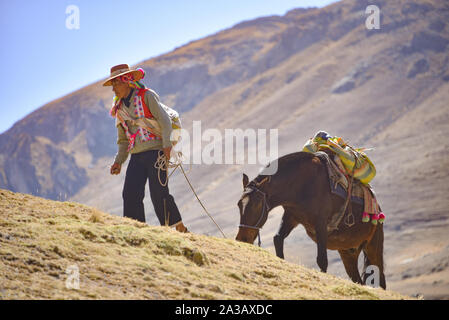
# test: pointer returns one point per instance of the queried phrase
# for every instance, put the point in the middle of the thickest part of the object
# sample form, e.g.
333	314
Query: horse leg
288	223
321	240
374	256
350	260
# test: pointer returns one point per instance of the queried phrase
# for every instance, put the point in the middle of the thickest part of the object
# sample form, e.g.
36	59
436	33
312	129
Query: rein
265	209
163	164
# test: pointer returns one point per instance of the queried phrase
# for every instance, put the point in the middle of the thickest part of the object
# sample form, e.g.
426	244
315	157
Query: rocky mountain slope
309	70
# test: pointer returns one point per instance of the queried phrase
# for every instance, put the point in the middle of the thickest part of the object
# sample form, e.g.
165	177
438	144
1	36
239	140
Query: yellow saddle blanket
354	161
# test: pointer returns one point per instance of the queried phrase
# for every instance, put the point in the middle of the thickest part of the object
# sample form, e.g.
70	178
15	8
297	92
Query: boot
181	228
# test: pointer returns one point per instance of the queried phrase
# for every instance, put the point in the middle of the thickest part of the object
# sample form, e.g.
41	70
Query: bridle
265	209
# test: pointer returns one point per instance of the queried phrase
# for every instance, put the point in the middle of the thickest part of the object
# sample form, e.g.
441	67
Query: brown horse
301	186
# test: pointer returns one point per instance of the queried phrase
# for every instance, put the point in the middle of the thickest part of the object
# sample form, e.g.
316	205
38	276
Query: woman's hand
116	168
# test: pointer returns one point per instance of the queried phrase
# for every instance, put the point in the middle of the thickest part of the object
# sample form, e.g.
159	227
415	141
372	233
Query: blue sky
42	60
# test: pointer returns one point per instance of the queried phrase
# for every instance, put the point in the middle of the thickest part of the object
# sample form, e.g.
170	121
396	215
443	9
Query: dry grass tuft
96	217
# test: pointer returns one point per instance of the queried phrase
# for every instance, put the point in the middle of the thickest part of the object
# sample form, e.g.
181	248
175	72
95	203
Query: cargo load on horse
346	163
353	161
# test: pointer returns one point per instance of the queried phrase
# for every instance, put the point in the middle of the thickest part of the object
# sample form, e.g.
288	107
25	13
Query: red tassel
374	218
365	217
142	72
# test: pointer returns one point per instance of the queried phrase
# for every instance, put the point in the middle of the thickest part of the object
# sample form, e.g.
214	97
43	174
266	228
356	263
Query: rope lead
162	164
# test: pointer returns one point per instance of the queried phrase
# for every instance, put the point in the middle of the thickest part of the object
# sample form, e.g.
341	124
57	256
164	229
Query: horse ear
245	181
263	181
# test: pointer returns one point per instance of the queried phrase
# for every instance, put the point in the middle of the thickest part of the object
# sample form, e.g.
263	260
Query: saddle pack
355	162
343	163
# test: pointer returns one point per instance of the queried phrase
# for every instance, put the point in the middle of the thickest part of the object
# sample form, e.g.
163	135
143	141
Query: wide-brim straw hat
120	70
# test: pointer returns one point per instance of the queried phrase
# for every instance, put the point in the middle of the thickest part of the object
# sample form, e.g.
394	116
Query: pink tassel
142	72
381	217
374	218
365	217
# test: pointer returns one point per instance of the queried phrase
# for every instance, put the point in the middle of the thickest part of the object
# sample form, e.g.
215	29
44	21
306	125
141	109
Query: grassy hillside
120	258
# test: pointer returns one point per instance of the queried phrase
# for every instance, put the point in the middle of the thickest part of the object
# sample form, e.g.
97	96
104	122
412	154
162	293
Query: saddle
360	193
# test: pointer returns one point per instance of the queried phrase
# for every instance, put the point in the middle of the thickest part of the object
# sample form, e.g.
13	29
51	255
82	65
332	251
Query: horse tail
378	239
375	248
366	263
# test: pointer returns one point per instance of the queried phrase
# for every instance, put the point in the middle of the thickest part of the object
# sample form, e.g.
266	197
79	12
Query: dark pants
140	169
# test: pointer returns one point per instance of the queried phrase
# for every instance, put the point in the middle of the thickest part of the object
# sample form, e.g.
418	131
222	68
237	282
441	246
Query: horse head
254	207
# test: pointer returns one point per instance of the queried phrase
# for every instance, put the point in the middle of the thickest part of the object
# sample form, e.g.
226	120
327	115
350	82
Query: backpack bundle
149	127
